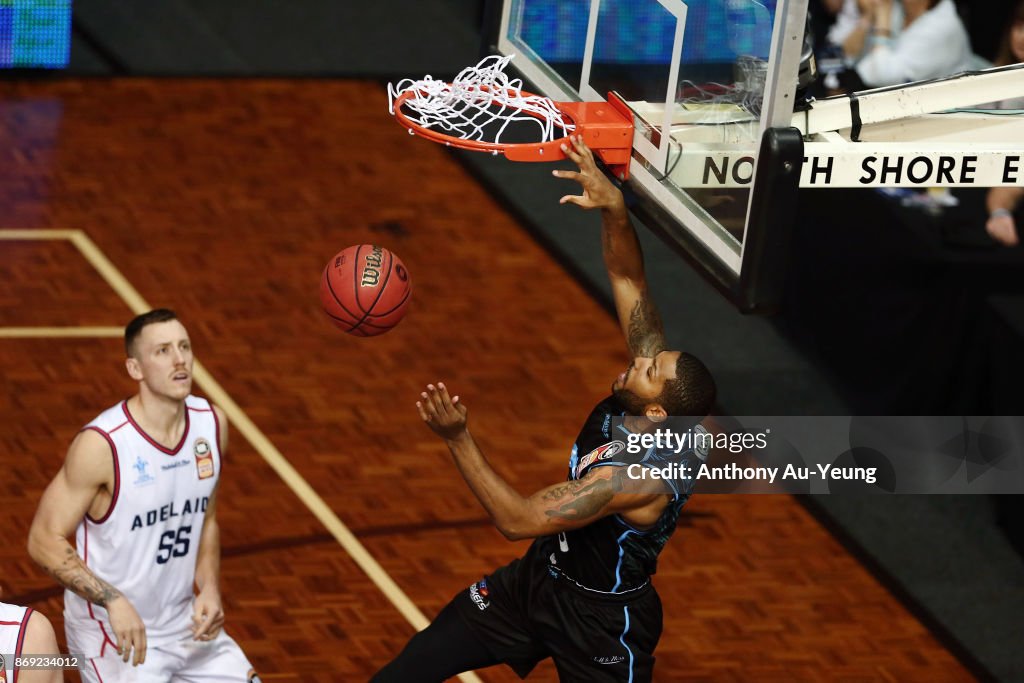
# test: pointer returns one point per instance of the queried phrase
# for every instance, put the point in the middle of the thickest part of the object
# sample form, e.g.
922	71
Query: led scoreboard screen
35	34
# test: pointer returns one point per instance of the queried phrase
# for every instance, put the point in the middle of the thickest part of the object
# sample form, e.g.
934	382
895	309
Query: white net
480	104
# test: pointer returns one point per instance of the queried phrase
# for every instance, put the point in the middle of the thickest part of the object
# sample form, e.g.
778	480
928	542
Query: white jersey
147	542
13	624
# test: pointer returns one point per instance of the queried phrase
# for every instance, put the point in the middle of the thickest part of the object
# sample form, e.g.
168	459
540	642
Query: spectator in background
1002	201
823	17
852	27
898	41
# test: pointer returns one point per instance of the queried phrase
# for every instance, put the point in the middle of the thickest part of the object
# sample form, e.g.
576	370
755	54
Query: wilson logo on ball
365	290
371	271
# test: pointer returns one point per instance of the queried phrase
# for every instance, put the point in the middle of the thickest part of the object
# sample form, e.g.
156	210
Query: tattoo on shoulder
646	337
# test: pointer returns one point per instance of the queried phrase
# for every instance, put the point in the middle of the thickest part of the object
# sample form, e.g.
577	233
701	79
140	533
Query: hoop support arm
606	127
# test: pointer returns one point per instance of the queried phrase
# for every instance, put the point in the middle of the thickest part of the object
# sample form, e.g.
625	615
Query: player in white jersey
25	632
138	490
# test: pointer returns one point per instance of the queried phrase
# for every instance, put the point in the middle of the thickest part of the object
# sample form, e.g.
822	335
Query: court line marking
349	543
59	332
13	234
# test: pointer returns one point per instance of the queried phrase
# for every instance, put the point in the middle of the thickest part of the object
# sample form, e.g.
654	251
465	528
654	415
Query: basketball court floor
344	523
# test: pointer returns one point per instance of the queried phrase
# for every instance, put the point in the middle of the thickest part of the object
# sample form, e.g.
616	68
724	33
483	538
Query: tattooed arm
568	505
623	257
83	485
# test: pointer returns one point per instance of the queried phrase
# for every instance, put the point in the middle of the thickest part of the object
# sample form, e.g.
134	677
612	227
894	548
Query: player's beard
633	404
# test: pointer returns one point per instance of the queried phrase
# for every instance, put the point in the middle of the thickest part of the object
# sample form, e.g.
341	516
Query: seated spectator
853	23
899	41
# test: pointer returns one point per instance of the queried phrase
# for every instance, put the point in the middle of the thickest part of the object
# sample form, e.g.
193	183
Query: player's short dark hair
692	392
134	328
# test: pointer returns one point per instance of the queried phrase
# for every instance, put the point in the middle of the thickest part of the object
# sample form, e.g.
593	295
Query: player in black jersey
582	593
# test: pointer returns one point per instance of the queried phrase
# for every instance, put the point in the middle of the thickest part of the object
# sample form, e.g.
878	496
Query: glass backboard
704	79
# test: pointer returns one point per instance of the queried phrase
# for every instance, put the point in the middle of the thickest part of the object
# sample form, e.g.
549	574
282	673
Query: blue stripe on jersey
573	457
618	567
622	520
622	639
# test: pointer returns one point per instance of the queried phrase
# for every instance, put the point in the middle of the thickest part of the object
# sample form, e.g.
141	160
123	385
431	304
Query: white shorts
185	661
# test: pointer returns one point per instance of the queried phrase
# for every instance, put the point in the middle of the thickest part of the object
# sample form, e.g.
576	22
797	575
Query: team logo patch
144	478
204	458
600	453
479	594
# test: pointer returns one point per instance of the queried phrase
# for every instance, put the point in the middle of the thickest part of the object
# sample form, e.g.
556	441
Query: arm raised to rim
640	321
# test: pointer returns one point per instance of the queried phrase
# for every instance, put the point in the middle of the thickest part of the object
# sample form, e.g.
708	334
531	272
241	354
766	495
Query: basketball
365	290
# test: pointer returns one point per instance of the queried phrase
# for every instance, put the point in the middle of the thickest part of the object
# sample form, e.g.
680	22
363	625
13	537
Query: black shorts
525	612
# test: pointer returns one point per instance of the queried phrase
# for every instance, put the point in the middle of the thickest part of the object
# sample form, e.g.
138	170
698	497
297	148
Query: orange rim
527	148
605	127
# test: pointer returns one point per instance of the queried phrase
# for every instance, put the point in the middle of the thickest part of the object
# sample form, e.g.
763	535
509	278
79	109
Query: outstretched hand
443	414
598	191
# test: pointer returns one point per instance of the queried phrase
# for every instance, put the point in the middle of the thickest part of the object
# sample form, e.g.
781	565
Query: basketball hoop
476	109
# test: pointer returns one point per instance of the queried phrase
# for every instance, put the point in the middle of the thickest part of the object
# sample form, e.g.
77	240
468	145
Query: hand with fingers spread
128	629
207	614
443	414
598	191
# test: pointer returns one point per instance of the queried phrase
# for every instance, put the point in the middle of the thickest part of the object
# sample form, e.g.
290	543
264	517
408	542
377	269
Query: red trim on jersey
88	604
93	662
117	476
21	639
152	442
106	638
216	425
85	560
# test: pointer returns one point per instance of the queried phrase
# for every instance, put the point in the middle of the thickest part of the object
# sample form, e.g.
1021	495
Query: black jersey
610	555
